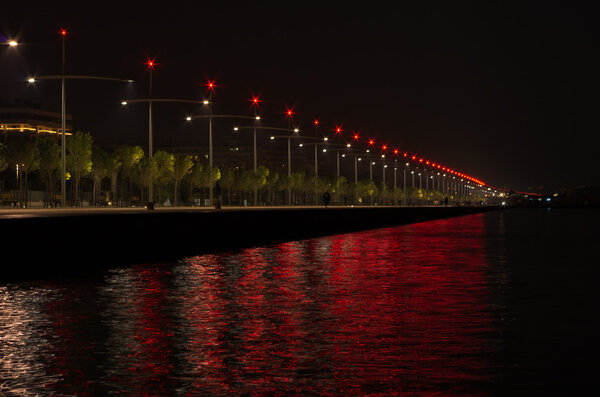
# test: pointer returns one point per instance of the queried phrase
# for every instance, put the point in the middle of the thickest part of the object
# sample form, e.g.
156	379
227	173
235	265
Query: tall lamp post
289	167
63	77
63	117
289	138
273	137
316	145
150	101
211	87
210	117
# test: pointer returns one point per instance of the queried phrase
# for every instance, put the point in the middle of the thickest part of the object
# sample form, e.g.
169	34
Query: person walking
326	198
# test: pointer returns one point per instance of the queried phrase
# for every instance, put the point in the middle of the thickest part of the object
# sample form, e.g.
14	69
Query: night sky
505	91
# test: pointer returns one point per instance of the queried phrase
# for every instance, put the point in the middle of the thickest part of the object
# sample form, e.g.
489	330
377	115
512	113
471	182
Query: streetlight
316	144
338	147
384	167
211	86
210	116
63	77
150	101
404	177
11	43
289	138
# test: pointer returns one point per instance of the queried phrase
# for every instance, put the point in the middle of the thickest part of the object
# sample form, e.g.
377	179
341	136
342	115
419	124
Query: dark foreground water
502	303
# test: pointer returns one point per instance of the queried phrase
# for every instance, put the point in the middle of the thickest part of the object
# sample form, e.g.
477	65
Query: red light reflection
387	312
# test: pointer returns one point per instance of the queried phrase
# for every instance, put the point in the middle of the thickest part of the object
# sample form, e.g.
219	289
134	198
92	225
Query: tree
272	181
104	165
128	157
204	177
415	195
262	173
113	165
163	168
24	155
194	176
366	189
310	185
3	158
49	162
244	182
227	181
141	174
182	166
79	157
296	181
340	187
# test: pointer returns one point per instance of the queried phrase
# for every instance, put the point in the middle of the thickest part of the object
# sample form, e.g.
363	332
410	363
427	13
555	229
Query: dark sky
505	91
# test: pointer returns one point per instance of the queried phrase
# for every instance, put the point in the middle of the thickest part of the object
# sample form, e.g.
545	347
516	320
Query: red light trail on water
349	307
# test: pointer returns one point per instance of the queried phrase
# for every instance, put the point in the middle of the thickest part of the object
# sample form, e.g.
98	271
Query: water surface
487	304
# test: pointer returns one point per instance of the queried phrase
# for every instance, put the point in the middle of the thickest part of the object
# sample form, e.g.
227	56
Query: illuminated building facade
25	118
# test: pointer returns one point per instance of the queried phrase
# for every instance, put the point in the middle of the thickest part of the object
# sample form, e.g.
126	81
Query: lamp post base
150	206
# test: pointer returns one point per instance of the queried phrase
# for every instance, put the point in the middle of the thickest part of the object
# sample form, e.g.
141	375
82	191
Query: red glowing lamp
150	63
356	137
371	142
211	85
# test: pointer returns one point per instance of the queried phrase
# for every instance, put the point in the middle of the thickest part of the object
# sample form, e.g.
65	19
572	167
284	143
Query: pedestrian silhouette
446	201
326	198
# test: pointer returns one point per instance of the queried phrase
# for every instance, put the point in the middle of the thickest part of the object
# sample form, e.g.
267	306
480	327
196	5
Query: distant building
26	118
582	196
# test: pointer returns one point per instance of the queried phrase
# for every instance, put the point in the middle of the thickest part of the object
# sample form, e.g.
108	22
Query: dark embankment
45	246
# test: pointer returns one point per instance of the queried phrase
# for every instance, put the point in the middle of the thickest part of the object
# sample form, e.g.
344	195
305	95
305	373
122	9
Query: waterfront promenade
48	242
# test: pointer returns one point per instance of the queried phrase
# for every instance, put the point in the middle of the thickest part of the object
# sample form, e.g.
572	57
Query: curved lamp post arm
78	77
63	78
127	101
223	116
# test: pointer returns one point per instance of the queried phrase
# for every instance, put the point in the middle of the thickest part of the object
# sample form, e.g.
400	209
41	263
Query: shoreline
45	243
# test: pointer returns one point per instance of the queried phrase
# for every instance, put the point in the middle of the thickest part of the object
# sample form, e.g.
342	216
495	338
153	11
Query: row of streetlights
292	133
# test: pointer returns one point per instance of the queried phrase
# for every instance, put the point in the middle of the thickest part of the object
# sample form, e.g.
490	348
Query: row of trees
121	178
